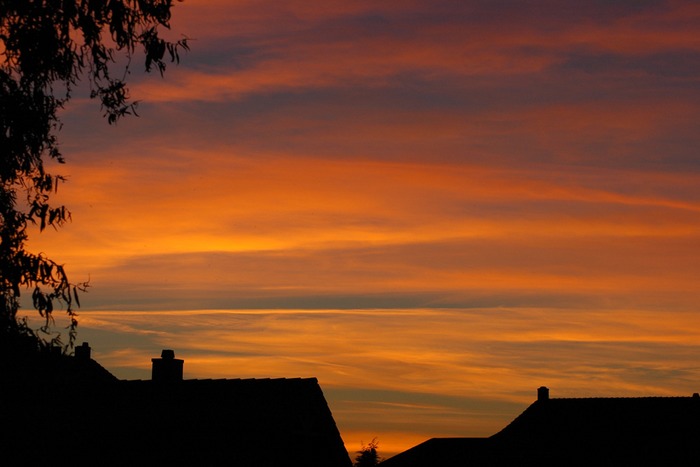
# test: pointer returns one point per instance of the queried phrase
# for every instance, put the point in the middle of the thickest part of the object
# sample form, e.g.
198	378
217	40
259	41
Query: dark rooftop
597	431
82	415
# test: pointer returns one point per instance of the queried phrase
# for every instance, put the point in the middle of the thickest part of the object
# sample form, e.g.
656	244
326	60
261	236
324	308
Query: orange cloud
302	227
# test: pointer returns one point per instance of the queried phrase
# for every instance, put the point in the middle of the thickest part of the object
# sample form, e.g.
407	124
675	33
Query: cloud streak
287	46
454	372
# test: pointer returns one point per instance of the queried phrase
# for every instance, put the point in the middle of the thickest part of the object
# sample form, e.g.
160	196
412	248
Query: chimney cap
167	354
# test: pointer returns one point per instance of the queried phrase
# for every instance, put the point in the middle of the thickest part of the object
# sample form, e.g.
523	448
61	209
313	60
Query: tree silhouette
46	46
368	456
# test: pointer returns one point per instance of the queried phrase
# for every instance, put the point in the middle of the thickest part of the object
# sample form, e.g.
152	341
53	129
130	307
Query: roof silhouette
91	419
576	432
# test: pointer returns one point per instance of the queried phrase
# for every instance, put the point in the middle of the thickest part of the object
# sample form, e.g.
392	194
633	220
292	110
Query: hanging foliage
46	47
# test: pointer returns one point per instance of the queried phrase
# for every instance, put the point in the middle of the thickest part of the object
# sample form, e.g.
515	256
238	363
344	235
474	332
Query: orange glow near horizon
432	207
433	365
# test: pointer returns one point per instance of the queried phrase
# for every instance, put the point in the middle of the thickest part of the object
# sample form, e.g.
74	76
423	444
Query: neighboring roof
105	421
32	368
607	431
573	432
444	452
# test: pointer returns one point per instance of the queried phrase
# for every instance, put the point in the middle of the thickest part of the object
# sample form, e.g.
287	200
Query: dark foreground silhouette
71	411
643	431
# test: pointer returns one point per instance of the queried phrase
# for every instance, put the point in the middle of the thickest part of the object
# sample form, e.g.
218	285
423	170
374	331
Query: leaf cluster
368	456
46	47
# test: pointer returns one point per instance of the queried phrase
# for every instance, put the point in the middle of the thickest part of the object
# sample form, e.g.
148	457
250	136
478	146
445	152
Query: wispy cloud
454	372
290	46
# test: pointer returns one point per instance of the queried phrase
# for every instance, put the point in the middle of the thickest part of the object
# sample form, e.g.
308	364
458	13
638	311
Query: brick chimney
542	393
167	368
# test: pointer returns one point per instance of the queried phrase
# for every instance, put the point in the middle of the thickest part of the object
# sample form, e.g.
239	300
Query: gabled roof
606	431
247	422
578	432
443	452
103	421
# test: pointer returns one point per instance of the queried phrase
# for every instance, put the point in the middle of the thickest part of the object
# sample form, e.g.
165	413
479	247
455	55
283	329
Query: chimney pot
542	393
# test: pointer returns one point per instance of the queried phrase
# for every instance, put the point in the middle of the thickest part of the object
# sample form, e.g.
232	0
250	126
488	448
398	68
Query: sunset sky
432	206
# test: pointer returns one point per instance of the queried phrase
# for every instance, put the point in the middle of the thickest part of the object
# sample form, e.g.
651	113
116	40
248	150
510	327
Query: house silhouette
600	431
70	410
